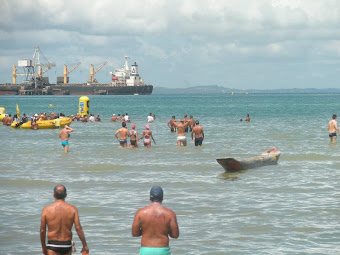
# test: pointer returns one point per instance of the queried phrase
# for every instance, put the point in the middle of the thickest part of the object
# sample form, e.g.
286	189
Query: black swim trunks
133	142
332	134
62	247
186	130
122	141
198	141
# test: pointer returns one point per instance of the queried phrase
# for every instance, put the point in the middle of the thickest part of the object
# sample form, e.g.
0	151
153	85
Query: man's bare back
59	218
155	223
123	134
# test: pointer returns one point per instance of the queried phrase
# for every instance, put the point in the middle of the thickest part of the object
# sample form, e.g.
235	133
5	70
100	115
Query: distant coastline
215	89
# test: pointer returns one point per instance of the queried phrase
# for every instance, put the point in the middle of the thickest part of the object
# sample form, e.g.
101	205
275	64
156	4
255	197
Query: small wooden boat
269	157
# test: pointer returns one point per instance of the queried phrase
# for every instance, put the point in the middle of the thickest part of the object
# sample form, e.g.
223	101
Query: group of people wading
181	126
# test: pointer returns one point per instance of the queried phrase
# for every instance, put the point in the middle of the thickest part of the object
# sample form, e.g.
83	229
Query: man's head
334	116
156	194
173	116
123	124
185	116
66	126
197	122
60	192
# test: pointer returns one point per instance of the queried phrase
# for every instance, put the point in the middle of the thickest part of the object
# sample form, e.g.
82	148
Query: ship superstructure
126	76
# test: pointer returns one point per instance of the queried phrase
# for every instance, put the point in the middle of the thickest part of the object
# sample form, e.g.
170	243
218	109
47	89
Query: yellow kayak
43	124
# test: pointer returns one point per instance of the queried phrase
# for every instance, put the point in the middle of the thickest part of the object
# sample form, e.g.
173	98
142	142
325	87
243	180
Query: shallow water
289	208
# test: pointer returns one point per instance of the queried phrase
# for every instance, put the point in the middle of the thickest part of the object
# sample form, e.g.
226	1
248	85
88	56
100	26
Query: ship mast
126	63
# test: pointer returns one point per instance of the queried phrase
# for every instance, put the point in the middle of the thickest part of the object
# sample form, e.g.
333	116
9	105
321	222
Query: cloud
196	35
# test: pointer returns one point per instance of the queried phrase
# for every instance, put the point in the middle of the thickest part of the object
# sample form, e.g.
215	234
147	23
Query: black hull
74	89
100	89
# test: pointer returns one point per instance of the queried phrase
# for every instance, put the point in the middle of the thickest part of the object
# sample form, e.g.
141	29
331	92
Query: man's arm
336	127
69	129
136	229
43	232
173	230
80	232
192	134
117	133
202	134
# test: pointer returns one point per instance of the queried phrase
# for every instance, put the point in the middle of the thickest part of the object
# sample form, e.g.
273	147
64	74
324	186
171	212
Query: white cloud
181	34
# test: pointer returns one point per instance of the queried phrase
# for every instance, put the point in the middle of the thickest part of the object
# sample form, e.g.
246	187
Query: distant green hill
215	89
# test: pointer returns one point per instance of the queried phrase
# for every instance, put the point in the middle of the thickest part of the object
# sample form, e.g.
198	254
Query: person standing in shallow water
64	134
247	117
332	128
59	218
123	134
155	224
199	134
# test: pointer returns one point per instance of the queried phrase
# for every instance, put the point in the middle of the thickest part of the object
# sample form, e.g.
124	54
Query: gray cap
156	192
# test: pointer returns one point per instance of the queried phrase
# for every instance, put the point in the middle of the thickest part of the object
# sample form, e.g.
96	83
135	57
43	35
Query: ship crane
93	72
66	72
33	67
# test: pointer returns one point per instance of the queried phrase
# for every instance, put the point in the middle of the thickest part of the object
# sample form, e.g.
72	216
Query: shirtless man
123	134
98	118
181	132
64	134
155	224
8	121
133	137
34	124
146	135
171	124
59	218
4	120
186	119
199	134
191	123
84	118
113	118
332	128
247	118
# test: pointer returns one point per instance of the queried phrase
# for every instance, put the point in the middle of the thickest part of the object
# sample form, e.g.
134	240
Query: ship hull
102	89
76	89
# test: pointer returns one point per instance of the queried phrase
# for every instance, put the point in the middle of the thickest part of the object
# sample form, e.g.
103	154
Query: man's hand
44	250
85	250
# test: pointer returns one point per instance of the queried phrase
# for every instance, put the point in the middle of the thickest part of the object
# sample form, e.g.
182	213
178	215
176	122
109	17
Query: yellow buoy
84	106
232	93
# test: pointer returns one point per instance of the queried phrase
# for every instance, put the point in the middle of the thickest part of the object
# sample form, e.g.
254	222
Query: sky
242	44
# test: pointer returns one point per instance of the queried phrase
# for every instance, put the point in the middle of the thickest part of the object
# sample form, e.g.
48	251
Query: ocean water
289	208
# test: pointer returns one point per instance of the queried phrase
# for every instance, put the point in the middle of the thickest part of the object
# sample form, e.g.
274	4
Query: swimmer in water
147	133
171	124
133	137
123	134
181	139
64	134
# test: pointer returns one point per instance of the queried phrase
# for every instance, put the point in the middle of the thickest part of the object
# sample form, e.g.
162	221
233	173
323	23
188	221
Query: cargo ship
124	81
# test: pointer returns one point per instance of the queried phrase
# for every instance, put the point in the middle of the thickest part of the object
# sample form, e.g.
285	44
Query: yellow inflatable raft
2	113
43	124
